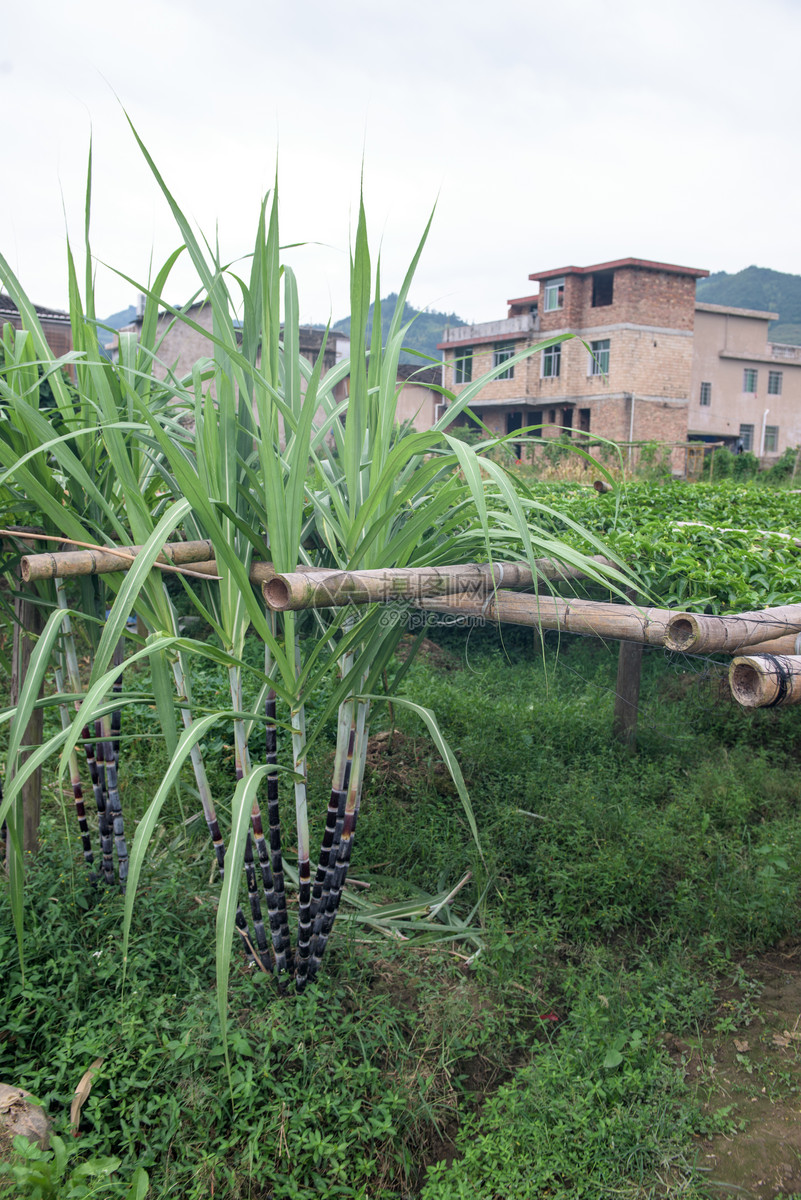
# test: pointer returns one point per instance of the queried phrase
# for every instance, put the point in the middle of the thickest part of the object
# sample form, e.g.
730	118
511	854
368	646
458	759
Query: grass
622	889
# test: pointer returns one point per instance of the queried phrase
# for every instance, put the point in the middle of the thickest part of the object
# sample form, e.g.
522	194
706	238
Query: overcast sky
576	131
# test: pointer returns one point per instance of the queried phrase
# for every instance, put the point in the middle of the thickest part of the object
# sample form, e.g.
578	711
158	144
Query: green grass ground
622	893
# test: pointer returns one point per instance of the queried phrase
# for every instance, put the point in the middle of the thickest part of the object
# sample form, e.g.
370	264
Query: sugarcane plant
277	468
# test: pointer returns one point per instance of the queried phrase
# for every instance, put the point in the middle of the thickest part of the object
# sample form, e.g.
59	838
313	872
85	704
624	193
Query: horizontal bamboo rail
766	680
300	589
619	621
695	633
789	644
68	564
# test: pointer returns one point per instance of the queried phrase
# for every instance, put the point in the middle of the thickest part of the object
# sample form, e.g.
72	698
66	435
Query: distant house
181	346
627	374
419	398
648	362
55	324
746	390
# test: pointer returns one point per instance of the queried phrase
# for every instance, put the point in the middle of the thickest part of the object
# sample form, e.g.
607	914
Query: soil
752	1067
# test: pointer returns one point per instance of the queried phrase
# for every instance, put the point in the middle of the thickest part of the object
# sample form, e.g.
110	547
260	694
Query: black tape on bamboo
276	902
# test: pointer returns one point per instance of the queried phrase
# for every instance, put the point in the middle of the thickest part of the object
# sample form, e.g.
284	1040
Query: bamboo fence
696	633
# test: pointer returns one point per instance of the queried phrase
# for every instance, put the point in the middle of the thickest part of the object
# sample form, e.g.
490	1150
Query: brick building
625	375
55	324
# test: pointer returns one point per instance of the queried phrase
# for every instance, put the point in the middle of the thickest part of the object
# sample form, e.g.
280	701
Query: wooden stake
627	690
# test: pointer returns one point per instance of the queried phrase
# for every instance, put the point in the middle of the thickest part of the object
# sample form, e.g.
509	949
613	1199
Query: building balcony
783	351
508	327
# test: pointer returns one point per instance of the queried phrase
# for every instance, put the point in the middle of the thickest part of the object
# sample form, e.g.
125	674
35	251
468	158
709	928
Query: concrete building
625	375
746	391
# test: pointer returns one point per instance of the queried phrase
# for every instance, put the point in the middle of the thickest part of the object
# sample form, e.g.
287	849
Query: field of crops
704	547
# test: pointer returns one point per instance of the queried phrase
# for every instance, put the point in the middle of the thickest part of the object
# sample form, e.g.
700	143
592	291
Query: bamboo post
766	680
695	633
627	689
27	627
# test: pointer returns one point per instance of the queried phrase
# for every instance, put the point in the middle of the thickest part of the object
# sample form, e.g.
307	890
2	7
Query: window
535	418
706	395
771	439
551	362
599	357
584	419
554	295
747	436
775	383
567	421
500	354
749	380
602	289
463	365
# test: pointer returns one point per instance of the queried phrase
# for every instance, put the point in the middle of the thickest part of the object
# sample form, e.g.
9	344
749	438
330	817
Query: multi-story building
746	391
625	374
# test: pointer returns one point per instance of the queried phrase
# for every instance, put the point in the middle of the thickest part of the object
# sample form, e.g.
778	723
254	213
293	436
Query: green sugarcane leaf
144	830
134	580
29	692
241	807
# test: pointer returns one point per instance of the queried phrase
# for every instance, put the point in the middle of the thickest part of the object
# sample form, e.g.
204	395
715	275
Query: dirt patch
396	760
749	1072
429	652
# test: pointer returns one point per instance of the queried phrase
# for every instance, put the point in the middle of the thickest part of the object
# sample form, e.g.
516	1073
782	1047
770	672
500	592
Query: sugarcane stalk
74	678
294	590
116	716
276	894
103	811
75	780
345	845
243	769
766	680
114	816
298	726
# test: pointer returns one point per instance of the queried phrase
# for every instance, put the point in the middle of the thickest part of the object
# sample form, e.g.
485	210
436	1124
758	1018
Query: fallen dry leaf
82	1094
741	1045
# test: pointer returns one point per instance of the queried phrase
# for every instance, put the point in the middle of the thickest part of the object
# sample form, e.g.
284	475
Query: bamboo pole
103	560
696	633
600	619
334	589
766	680
789	644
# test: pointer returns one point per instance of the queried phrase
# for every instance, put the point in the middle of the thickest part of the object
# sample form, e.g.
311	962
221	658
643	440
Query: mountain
763	289
117	321
428	328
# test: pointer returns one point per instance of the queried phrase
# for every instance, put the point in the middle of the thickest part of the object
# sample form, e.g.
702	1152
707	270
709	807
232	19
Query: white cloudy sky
575	131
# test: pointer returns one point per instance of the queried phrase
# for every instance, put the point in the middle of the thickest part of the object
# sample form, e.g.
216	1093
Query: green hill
428	328
760	288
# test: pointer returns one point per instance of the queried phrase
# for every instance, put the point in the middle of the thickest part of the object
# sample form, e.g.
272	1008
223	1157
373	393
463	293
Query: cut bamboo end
696	633
766	680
